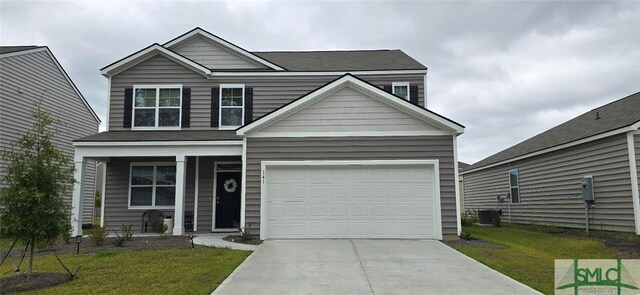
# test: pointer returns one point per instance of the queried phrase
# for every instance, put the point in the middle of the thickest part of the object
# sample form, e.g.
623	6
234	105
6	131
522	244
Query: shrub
66	237
98	234
126	235
469	217
465	235
495	218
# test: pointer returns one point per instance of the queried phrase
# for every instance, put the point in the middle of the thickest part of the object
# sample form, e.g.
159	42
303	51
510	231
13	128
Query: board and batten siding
215	57
24	80
351	148
550	187
349	110
269	93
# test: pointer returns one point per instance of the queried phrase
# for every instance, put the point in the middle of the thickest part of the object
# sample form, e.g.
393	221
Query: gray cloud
506	70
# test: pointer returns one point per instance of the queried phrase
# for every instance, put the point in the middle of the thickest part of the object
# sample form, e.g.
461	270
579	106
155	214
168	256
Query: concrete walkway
215	240
364	267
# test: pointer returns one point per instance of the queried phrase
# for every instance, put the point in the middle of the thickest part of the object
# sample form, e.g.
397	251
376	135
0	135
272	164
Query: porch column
178	220
78	194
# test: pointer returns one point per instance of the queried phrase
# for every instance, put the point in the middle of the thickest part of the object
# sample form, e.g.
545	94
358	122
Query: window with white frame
231	105
514	186
152	185
400	89
157	106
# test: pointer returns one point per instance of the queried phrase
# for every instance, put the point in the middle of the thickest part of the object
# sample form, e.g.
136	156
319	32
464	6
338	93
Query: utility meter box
587	188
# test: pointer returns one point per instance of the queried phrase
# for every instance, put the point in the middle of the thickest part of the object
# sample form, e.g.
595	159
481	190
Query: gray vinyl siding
213	56
270	93
548	181
349	110
23	81
352	148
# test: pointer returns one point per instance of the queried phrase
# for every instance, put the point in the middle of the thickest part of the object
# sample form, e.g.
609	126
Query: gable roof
613	116
148	52
348	79
9	51
199	32
354	60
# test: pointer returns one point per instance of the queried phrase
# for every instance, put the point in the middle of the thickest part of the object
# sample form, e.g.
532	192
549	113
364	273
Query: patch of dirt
38	280
243	240
626	248
456	244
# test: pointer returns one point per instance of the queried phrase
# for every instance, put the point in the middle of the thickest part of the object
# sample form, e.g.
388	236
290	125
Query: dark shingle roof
615	115
9	49
173	135
357	60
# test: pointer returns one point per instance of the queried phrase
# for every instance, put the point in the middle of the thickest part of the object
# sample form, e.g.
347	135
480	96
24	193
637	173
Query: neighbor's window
401	89
157	106
514	186
152	185
231	105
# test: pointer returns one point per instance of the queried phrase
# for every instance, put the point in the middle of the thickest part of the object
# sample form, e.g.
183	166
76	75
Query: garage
393	199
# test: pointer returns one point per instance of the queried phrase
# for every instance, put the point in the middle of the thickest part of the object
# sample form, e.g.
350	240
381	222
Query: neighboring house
333	144
543	174
461	167
29	74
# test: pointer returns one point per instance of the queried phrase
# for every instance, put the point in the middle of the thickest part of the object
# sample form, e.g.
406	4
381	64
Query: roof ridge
339	50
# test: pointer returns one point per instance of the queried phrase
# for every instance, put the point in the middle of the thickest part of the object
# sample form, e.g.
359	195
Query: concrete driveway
364	267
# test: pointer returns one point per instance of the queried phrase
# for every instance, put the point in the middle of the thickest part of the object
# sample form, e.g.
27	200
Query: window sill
155	128
150	207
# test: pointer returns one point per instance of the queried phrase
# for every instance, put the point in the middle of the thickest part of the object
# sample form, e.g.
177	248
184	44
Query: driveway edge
234	272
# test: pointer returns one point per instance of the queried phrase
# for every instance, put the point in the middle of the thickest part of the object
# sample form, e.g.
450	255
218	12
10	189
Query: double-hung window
514	186
400	89
152	185
231	105
157	106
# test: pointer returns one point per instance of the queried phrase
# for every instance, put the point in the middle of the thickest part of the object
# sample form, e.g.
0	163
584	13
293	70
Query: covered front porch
196	183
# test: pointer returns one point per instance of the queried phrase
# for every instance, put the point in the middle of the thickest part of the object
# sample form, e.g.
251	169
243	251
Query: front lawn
157	271
528	252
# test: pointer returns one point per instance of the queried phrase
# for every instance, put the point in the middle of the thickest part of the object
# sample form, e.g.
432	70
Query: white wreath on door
230	185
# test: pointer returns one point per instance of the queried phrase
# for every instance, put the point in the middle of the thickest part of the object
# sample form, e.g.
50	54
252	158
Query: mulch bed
242	240
476	243
38	280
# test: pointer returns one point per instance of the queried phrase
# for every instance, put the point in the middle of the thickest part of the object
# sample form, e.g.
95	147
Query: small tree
38	175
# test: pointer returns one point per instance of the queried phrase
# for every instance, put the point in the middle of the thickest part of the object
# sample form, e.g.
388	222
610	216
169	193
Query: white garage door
350	201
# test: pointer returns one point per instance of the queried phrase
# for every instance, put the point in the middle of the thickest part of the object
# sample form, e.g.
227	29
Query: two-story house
319	144
32	74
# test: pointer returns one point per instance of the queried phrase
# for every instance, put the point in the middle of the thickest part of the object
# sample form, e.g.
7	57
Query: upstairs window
514	186
231	105
157	106
400	89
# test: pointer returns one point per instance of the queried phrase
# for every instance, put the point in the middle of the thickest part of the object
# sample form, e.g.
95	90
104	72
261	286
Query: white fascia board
83	152
156	143
215	74
329	88
226	44
349	134
149	52
635	189
555	148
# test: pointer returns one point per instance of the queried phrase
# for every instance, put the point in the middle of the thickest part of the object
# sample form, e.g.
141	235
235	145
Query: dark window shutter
387	88
186	107
413	94
128	107
215	106
248	105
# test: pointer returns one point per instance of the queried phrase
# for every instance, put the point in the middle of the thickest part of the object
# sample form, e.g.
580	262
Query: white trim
153	185
351	81
350	134
220	106
220	41
401	84
312	73
425	90
109	103
635	189
77	197
157	151
156	143
243	187
516	186
558	147
437	210
457	185
196	195
104	190
156	108
215	191
147	53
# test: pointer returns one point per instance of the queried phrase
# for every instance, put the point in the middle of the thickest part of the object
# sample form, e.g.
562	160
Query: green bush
469	217
98	234
124	237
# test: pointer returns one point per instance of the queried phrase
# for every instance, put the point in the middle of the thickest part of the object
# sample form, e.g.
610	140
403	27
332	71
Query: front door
227	199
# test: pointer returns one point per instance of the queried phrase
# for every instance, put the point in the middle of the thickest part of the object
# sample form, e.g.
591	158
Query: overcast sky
505	70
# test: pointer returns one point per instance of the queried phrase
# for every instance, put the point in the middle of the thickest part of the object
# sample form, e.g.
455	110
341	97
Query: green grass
531	251
166	271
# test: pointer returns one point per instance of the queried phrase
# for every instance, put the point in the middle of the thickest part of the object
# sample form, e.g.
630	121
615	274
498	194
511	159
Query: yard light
78	241
191	237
